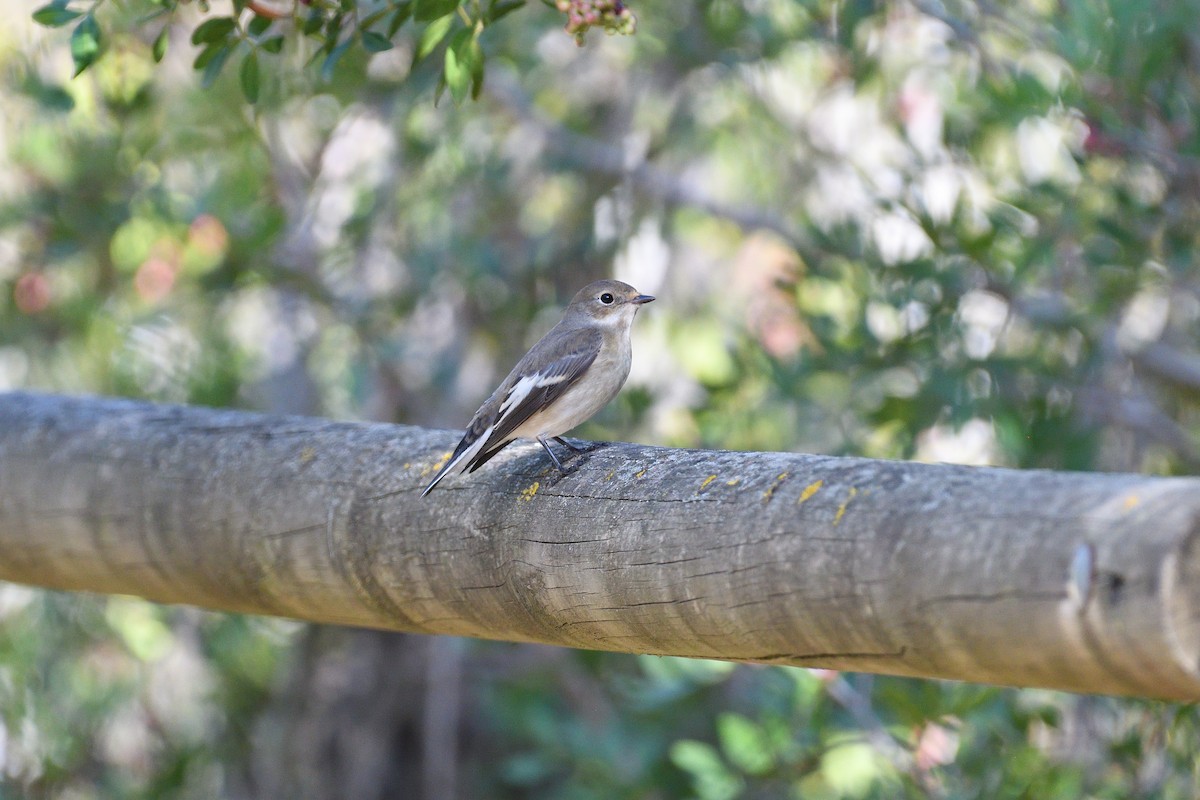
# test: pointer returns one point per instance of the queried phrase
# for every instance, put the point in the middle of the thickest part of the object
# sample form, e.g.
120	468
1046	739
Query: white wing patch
522	388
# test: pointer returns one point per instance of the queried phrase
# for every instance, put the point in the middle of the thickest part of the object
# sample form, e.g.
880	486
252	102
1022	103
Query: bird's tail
463	454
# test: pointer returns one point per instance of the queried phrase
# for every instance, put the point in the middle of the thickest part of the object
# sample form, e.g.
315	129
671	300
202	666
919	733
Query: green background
949	232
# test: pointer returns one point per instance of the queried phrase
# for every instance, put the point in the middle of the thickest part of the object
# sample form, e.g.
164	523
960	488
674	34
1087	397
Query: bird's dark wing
553	365
533	390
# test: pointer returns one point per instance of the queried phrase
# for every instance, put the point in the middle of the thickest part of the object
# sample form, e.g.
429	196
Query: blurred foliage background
950	231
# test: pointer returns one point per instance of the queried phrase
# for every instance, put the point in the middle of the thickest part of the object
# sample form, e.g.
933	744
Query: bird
570	374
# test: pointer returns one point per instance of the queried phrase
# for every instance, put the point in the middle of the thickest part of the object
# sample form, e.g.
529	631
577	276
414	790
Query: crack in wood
830	656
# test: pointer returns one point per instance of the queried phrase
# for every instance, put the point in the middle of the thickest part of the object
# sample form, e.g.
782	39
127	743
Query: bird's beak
642	299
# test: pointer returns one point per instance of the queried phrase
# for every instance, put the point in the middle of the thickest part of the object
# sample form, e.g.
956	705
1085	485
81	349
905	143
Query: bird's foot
546	446
571	447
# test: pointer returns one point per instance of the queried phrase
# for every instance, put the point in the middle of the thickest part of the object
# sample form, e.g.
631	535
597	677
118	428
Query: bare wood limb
1137	412
1177	367
1086	582
594	155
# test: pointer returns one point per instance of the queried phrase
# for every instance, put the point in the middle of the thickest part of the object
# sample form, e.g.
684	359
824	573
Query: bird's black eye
607	298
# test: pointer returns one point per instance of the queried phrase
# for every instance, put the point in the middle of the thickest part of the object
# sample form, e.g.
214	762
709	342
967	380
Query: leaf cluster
328	29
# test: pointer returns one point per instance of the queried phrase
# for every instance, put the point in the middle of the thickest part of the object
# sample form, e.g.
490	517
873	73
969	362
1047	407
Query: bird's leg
542	441
568	445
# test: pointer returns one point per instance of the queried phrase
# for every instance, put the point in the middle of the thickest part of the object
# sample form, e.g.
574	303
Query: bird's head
608	301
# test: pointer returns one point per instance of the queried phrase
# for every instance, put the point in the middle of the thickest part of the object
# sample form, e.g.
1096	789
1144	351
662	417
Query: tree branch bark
1085	582
1177	367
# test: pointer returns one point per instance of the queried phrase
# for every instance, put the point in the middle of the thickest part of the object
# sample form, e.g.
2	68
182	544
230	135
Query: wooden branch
1086	582
601	157
1176	367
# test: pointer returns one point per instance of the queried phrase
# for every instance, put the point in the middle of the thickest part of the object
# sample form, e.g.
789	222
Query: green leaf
54	98
464	66
313	23
476	62
334	56
249	77
213	70
711	779
440	89
458	74
375	42
503	8
258	26
160	44
207	55
432	36
368	22
85	43
55	15
213	30
745	744
212	60
333	32
403	11
433	9
272	45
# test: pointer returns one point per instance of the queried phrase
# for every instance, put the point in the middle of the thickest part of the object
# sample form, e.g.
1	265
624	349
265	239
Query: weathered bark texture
1085	582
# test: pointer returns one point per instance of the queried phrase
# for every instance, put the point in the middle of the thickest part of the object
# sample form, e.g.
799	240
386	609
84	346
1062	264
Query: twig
594	155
